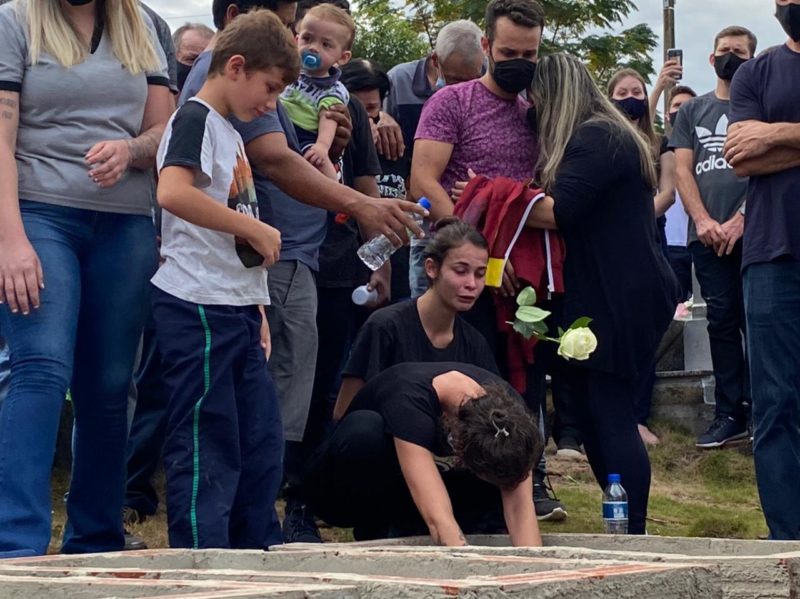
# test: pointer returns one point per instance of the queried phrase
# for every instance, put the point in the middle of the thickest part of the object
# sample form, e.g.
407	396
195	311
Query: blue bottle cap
311	61
613	478
425	203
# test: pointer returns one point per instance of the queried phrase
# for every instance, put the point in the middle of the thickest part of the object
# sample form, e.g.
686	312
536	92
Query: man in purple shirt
481	125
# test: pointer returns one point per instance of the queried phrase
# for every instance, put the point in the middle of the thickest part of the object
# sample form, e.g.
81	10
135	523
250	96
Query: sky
696	23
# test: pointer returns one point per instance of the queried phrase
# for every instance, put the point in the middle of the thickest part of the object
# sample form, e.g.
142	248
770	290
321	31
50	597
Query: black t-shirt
339	265
392	185
405	397
395	334
765	89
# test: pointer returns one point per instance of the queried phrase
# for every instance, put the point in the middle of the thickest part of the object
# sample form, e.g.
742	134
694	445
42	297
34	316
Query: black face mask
727	65
533	120
513	76
633	108
671	117
789	18
183	73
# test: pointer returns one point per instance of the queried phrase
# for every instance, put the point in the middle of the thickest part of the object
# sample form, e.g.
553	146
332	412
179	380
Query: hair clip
499	431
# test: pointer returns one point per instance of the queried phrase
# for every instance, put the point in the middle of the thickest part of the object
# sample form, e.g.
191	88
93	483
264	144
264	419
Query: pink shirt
490	135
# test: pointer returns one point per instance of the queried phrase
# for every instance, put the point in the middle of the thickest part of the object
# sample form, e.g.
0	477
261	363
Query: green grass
695	493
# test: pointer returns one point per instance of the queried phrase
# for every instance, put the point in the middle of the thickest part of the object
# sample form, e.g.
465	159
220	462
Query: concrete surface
569	566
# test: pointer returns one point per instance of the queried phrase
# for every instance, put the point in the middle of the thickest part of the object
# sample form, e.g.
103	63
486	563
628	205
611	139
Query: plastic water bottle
362	296
615	507
379	249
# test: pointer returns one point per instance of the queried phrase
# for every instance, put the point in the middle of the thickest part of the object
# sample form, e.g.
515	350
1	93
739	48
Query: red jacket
498	208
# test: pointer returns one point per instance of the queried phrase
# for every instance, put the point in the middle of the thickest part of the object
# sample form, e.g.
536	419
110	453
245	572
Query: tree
386	36
582	28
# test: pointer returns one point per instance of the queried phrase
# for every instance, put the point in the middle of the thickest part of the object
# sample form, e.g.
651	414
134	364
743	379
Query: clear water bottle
615	507
378	250
363	296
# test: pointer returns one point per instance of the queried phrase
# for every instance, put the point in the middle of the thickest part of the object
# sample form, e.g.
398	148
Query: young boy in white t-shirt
224	443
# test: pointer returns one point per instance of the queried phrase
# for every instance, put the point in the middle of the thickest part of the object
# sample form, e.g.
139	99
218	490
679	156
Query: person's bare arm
520	515
756	148
709	231
427	166
113	157
666	184
178	195
351	385
21	276
774	161
429	493
542	215
344	130
271	155
667	79
390	143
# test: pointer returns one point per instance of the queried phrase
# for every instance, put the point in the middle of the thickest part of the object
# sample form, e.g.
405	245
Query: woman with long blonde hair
84	99
599	177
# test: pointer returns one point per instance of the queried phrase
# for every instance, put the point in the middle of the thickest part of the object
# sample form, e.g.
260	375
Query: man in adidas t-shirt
714	198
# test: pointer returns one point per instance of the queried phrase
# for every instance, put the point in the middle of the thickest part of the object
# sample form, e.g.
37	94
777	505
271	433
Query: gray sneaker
547	507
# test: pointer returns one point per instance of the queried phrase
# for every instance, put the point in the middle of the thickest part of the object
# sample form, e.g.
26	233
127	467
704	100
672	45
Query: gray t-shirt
64	112
201	265
702	126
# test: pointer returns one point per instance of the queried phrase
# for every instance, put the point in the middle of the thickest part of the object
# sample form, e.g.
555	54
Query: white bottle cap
363	296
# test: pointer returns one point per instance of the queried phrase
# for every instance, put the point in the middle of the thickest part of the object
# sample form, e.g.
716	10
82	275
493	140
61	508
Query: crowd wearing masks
180	219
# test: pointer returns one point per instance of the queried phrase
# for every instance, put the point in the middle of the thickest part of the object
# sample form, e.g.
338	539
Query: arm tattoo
8	115
8	102
143	148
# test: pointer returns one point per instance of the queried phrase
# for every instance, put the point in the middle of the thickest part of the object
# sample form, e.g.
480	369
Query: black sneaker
547	507
133	542
299	525
723	430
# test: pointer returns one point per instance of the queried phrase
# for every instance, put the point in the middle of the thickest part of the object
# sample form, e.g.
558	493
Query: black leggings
607	415
355	480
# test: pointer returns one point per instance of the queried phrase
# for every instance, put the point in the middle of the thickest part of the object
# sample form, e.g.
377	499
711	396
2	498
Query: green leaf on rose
527	297
541	328
561	332
531	314
530	329
526	329
580	323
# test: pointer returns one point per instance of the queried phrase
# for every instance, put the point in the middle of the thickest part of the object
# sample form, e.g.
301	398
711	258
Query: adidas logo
713	142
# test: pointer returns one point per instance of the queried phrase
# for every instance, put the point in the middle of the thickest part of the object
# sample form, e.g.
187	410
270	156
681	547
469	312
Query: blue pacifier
311	60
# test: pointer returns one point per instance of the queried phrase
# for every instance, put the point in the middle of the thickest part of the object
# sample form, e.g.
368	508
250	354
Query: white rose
577	344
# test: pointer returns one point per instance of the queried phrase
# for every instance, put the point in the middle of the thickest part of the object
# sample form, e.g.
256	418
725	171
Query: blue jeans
84	336
5	370
772	304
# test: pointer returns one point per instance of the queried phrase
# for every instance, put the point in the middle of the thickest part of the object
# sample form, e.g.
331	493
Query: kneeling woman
378	472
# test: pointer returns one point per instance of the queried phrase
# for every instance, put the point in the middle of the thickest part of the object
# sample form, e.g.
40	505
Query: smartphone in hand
676	55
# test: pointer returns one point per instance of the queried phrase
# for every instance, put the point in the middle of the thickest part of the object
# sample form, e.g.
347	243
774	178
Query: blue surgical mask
440	83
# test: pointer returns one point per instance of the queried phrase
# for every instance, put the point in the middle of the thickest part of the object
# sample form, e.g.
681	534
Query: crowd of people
179	222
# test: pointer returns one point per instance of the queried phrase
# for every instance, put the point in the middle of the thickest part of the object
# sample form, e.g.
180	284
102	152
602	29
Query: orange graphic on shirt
242	198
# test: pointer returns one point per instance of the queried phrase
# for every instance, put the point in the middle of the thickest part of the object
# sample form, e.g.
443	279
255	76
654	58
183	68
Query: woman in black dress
599	176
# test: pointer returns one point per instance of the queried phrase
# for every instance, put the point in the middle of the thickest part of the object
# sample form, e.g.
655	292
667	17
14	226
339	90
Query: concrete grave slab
413	572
